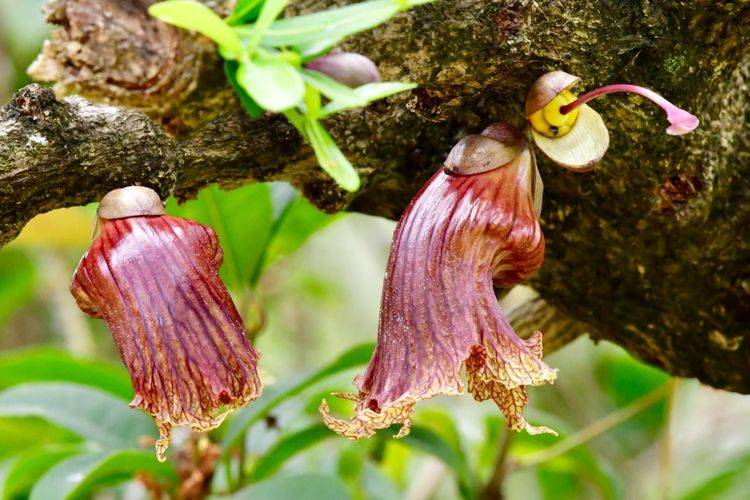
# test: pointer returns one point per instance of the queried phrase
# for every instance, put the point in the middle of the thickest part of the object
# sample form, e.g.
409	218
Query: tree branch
650	249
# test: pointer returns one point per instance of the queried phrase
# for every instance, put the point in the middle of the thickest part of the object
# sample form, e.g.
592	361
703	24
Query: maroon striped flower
154	279
473	225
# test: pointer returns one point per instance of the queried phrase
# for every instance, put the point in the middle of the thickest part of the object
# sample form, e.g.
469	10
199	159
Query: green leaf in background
191	15
95	415
729	481
561	485
256	225
577	470
375	485
626	380
77	476
282	196
17	281
44	364
245	11
28	467
297	487
366	94
275	84
25	434
330	157
276	394
252	108
242	218
430	442
287	447
295	220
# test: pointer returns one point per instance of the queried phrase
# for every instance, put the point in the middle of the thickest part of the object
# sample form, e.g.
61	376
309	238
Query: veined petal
439	313
155	281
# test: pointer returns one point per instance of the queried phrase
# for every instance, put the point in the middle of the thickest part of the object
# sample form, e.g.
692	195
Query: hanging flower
474	224
572	134
154	279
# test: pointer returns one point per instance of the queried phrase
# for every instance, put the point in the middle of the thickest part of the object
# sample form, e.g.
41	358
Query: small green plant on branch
268	62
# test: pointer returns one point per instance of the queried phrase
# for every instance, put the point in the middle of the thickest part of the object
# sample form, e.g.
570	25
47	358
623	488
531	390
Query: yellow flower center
549	121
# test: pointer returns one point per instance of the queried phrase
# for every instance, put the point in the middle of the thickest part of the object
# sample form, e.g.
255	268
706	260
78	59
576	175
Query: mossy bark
651	249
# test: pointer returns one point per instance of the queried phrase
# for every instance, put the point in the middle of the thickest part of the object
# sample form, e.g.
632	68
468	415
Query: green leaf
242	218
725	480
297	487
288	447
90	413
330	157
366	94
295	221
275	84
191	15
77	476
43	364
437	420
560	485
252	108
315	33
268	13
18	281
29	467
332	89
277	394
626	380
245	11
430	442
25	434
576	468
283	195
376	485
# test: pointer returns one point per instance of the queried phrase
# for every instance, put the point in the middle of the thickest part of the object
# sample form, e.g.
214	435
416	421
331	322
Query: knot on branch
113	51
33	100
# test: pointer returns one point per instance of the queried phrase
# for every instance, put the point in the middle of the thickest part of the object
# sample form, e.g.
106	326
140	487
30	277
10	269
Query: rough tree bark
651	250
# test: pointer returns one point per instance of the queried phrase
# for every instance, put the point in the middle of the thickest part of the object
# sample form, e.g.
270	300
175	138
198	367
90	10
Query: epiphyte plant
280	65
472	227
154	279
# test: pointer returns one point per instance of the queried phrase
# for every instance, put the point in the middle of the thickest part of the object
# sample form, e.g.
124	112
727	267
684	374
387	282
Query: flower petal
581	148
681	122
155	281
439	312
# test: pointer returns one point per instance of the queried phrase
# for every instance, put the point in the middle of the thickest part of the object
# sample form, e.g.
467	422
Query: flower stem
681	121
620	87
665	476
493	489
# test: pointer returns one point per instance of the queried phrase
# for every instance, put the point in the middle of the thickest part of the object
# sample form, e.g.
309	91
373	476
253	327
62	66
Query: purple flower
154	279
473	226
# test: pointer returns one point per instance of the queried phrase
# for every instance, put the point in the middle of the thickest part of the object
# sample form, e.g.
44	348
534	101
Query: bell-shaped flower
472	226
572	134
154	279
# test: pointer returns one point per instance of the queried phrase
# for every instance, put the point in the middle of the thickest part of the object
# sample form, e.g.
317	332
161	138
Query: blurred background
309	286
